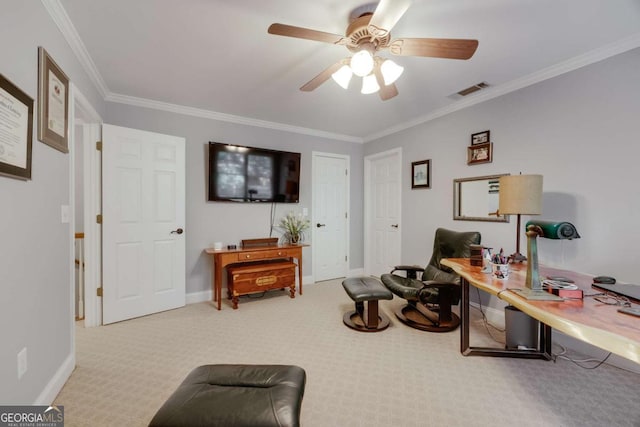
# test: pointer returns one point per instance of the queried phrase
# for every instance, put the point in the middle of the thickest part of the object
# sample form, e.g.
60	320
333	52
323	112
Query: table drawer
273	253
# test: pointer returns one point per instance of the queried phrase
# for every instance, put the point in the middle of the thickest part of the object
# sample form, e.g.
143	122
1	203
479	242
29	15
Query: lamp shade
362	63
390	71
343	76
369	84
520	194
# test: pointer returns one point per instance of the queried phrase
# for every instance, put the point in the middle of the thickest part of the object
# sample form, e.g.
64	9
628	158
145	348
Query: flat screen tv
249	174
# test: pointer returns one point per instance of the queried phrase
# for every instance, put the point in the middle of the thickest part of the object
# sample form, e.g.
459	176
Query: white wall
35	263
208	222
579	130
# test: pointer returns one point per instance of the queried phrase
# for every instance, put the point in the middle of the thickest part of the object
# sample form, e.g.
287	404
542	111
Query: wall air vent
468	91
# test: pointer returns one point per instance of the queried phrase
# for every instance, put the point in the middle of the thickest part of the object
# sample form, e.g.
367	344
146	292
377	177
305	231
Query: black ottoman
236	395
361	289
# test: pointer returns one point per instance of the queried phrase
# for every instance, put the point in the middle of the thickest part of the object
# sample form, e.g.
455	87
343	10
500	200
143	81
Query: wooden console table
587	320
224	257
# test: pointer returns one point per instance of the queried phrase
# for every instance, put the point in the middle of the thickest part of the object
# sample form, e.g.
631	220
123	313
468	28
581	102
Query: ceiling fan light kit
362	63
390	71
369	84
343	76
367	34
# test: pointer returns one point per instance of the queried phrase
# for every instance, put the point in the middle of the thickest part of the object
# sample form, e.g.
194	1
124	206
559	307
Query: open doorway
84	133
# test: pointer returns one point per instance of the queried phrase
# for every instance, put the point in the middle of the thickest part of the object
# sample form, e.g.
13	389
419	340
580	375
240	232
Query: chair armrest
438	284
439	292
413	268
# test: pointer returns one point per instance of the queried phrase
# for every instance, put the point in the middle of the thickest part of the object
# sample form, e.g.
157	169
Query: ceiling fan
368	33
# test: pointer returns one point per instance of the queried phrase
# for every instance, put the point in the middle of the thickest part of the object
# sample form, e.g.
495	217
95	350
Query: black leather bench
235	395
369	289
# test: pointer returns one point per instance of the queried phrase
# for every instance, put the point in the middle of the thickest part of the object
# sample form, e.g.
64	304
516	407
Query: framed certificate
53	103
16	124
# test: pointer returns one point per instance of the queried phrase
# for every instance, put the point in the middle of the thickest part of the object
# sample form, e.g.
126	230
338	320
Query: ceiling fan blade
322	77
386	15
436	48
306	33
385	92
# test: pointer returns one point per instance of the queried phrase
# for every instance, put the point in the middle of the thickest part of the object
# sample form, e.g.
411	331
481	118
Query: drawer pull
247	256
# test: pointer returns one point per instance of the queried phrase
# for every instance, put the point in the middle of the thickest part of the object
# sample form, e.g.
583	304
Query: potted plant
293	227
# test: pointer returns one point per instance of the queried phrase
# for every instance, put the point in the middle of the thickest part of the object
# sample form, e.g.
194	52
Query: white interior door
383	188
143	190
330	216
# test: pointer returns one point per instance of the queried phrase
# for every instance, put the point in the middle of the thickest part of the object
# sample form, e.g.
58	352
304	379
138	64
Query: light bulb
390	71
369	84
362	63
343	76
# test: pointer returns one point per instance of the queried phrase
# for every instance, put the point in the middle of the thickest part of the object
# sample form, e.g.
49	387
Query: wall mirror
476	199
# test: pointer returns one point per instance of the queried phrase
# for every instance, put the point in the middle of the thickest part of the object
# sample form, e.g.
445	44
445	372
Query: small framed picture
480	153
53	103
480	138
421	174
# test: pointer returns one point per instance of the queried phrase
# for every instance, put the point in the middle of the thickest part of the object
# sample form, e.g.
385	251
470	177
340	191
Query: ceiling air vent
468	91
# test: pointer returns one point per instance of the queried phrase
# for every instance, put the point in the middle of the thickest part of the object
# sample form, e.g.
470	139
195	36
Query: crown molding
62	20
571	64
230	118
68	30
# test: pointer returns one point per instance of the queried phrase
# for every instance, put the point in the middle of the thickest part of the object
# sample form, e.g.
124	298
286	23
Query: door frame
92	197
368	239
347	232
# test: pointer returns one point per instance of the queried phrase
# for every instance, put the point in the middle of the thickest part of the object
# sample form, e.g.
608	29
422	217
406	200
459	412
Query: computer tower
521	330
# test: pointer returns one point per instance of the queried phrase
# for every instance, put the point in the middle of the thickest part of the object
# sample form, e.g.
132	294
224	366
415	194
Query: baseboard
494	316
49	393
196	297
356	272
204	296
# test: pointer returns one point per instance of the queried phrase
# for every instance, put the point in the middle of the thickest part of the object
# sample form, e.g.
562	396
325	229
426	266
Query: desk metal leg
544	337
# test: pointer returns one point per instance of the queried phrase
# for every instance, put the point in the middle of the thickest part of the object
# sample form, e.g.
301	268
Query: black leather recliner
430	298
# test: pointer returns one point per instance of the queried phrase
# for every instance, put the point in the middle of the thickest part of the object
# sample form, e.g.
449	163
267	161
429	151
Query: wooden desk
223	257
587	320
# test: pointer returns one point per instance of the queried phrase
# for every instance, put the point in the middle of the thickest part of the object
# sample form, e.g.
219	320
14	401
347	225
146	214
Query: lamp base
516	257
538	295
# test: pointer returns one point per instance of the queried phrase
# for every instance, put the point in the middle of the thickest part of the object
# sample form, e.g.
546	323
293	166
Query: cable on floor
486	322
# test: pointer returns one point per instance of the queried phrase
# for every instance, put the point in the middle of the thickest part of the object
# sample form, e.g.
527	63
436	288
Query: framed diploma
16	131
53	103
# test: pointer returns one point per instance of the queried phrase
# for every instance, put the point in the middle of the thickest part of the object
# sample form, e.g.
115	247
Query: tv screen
249	174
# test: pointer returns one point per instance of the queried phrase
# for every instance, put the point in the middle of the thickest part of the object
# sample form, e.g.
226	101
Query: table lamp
551	230
520	195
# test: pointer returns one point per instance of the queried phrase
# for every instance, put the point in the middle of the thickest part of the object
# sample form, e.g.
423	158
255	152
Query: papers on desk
556	284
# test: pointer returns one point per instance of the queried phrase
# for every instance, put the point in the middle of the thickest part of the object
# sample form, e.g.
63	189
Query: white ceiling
215	58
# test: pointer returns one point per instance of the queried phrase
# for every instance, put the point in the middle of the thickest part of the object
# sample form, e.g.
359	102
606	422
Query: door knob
394	225
318	225
178	231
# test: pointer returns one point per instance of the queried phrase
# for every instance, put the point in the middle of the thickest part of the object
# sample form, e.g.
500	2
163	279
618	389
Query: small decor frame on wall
53	103
480	153
480	138
16	121
421	174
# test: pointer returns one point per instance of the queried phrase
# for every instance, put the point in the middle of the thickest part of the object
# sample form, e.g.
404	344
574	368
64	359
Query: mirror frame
457	196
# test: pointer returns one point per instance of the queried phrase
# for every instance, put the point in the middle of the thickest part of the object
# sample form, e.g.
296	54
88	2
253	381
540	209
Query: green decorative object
555	229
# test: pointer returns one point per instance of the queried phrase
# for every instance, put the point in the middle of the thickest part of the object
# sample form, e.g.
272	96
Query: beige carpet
399	377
